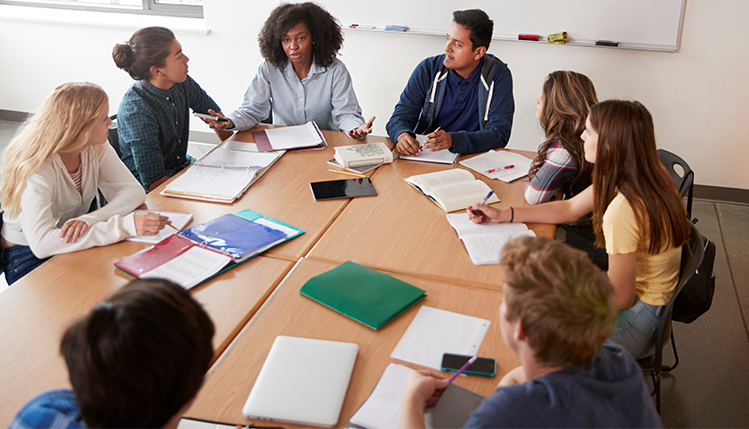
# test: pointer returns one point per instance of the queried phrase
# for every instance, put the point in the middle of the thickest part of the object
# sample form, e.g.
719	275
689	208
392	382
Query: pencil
463	368
361	176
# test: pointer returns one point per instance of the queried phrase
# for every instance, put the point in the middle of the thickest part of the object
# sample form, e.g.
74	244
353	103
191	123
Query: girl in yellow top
638	217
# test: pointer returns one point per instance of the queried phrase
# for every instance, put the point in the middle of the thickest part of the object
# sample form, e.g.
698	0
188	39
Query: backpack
696	296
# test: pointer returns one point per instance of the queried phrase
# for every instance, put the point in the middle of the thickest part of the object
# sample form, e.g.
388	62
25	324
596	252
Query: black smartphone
485	367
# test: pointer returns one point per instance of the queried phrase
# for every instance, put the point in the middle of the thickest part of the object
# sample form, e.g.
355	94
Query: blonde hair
564	302
61	125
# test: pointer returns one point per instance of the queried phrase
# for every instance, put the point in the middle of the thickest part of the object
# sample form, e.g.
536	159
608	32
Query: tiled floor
710	387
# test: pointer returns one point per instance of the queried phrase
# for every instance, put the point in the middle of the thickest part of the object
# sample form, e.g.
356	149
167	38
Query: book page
485	249
434	332
439	178
190	268
221	157
211	182
464	226
457	196
293	137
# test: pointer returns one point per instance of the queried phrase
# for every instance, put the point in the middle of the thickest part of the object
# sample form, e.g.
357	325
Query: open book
484	241
198	253
453	189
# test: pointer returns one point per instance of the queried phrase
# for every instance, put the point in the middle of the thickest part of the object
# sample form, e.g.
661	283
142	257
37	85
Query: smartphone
485	367
212	118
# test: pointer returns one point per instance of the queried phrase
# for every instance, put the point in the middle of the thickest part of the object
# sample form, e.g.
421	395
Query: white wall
699	96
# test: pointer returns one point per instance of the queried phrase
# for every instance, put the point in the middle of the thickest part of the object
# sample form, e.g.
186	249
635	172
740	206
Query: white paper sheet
497	160
434	332
190	268
484	241
179	221
293	136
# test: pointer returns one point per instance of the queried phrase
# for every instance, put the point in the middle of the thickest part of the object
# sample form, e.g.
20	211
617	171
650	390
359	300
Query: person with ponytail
53	170
136	360
638	217
153	121
560	164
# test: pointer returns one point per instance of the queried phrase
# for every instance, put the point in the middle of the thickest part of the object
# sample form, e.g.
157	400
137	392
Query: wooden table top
403	231
287	312
37	309
283	193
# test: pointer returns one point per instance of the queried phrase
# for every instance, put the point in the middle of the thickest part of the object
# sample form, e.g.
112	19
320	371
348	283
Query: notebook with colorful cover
368	296
198	253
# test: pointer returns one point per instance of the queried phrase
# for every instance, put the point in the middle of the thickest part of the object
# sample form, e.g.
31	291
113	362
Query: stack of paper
307	136
221	175
500	164
484	241
363	294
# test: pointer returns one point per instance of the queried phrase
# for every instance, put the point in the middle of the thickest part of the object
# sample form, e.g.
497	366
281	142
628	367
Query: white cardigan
51	199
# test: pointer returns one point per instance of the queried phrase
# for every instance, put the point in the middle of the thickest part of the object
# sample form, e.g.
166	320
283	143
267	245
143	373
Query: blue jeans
636	328
18	261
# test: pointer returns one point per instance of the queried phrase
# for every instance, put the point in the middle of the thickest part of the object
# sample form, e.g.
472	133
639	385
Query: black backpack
697	295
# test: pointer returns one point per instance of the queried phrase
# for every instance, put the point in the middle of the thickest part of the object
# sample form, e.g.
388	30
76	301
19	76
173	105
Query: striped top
76	176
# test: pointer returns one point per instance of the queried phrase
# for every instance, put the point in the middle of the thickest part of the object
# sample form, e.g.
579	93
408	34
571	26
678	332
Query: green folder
363	294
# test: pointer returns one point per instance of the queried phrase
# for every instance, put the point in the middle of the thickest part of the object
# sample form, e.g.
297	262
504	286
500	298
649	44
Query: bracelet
512	214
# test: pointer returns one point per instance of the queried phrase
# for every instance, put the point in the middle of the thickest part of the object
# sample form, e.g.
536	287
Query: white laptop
303	381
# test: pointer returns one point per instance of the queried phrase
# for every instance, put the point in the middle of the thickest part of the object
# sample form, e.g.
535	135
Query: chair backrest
692	253
684	179
113	138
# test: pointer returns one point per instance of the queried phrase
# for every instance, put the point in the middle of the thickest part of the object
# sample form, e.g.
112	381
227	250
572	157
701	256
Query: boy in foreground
557	312
137	360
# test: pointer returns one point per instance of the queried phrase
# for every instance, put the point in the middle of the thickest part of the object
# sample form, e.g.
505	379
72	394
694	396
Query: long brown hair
567	99
627	162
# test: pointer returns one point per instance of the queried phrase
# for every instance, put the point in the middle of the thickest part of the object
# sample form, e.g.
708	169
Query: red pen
506	167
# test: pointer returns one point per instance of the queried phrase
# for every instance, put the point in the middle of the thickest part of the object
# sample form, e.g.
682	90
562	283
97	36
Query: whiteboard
635	24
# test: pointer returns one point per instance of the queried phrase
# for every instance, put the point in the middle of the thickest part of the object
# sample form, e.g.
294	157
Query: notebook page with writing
434	332
484	241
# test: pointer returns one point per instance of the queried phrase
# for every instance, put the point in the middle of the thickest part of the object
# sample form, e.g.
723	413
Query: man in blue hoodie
462	99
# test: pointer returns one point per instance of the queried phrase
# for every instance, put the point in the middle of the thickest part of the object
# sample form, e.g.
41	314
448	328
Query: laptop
302	381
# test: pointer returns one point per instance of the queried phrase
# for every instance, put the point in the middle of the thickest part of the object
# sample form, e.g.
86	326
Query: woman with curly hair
301	79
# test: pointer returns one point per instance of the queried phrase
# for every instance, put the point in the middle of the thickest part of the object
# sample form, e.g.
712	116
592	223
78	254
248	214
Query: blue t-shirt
608	391
52	409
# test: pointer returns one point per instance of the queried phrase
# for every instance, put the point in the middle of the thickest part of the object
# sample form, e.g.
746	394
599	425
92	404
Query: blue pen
486	198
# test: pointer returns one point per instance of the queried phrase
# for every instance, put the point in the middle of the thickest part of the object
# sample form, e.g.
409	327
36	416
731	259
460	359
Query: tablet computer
346	188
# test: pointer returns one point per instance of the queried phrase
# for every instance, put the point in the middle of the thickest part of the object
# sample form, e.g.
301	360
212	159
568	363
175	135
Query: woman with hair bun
301	79
52	172
153	119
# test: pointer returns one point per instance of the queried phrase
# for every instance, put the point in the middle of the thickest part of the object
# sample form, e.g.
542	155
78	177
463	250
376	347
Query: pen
486	198
174	227
462	368
421	146
361	176
506	167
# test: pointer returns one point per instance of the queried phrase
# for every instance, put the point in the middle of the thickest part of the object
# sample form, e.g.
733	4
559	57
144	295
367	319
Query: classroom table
287	312
403	231
37	309
283	193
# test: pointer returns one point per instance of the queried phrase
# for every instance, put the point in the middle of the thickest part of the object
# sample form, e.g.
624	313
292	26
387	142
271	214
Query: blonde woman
52	172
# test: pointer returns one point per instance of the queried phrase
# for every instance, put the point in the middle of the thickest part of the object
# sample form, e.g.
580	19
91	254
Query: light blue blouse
326	96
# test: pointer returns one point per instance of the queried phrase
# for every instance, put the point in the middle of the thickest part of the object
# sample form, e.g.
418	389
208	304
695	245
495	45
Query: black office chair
684	180
691	257
113	138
